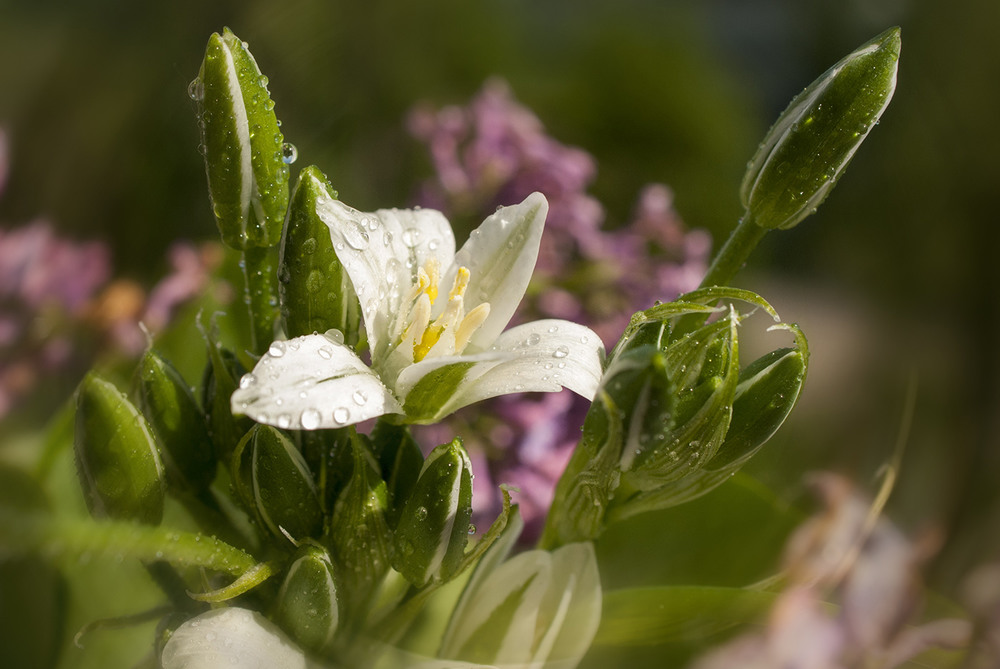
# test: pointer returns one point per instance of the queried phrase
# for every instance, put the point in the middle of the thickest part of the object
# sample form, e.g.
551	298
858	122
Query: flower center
451	331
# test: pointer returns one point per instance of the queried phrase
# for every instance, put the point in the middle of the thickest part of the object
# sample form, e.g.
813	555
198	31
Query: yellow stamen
424	335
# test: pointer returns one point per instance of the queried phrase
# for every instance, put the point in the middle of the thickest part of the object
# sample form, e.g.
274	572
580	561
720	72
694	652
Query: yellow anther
461	283
432	270
426	343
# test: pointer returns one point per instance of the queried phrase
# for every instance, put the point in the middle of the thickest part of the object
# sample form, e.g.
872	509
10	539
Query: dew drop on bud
196	90
289	154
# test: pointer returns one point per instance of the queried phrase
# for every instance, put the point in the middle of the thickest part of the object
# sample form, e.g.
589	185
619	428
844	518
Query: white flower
230	637
435	323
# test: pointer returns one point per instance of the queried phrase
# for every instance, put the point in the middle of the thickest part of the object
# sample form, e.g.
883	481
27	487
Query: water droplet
434	244
325	352
472	528
284	421
411	237
263	80
196	90
584	339
421	513
309	246
355	235
248	381
341	415
534	338
276	349
269	105
335	336
310	419
360	397
560	352
554	329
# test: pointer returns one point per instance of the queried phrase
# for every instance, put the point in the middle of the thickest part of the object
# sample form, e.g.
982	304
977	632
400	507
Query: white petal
312	382
501	255
381	253
543	356
230	637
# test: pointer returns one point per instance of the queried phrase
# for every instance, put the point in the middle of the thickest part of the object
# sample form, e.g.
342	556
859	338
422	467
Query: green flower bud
536	609
169	405
218	383
316	293
116	455
434	524
283	489
809	146
358	535
400	459
704	368
307	607
243	146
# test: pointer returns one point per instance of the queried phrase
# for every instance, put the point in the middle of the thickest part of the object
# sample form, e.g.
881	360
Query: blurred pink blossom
854	594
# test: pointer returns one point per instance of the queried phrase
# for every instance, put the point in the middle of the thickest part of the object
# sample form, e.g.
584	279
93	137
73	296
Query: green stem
260	265
727	262
65	538
734	253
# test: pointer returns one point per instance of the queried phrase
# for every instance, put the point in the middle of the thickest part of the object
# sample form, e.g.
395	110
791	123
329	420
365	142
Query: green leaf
316	293
731	537
116	455
169	405
242	143
811	143
659	615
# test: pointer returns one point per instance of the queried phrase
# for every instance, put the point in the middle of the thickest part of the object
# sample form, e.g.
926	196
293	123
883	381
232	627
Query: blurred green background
892	279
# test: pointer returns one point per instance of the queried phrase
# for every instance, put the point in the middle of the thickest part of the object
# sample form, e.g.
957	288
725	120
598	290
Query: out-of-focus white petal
312	382
544	356
500	255
230	637
551	604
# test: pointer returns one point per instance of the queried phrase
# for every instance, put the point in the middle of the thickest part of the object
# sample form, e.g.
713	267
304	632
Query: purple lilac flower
493	152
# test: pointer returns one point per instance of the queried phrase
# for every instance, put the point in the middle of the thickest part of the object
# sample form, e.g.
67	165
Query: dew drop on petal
284	421
360	397
560	352
325	352
335	336
341	415
276	349
534	338
356	235
411	237
248	381
310	419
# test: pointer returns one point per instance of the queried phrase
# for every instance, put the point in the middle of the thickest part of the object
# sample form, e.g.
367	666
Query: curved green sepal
169	405
809	146
246	582
242	143
400	460
116	455
316	293
219	381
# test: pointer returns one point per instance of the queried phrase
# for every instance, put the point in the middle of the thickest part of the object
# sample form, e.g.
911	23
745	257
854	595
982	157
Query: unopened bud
809	146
